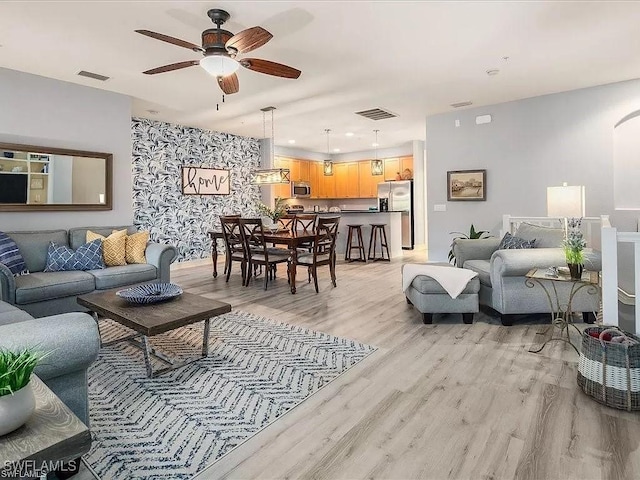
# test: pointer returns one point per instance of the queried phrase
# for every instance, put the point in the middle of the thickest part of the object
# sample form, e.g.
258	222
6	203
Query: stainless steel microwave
300	189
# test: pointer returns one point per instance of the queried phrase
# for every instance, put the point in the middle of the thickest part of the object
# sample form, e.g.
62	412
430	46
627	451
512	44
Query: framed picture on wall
205	181
467	185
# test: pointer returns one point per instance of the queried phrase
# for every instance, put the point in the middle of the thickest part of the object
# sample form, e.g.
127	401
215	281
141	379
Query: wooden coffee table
153	319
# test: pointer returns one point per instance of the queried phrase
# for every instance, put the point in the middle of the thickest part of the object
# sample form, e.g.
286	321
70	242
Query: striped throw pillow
11	257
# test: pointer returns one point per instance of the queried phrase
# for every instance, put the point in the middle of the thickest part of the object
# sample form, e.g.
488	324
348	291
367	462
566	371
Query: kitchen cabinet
346	180
391	168
282	190
329	184
367	183
315	170
406	163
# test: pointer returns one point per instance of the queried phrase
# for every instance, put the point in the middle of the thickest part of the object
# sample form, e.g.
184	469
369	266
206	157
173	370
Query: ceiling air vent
376	114
95	76
461	104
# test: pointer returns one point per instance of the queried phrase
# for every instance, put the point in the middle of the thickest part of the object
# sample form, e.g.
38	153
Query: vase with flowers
273	214
574	245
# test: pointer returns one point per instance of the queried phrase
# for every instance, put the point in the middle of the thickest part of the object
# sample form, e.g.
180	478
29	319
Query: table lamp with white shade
565	202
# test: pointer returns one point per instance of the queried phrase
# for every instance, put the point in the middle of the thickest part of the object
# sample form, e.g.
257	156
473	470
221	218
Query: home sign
205	181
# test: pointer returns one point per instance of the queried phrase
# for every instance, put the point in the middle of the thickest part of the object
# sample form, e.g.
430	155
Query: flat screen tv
13	188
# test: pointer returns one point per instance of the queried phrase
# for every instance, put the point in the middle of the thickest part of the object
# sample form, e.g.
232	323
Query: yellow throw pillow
113	247
136	246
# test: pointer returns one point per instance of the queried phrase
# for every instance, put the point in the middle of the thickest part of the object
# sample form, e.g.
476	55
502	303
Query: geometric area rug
175	425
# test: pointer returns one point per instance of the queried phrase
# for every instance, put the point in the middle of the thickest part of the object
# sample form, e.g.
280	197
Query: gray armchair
502	277
73	342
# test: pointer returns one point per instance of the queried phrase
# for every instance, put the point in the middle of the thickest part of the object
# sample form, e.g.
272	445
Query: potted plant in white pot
17	401
573	245
273	214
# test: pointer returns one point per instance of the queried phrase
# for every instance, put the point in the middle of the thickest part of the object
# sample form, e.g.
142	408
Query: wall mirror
37	178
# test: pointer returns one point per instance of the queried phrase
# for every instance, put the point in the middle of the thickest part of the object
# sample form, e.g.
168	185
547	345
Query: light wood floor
442	401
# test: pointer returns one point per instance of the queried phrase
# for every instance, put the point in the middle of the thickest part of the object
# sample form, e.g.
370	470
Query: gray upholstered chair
73	342
502	272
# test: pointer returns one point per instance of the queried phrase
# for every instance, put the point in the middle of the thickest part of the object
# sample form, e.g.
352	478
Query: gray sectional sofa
45	293
502	272
72	346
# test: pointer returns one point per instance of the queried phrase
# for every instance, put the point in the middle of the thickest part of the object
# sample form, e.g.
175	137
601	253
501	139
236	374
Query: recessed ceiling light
349	134
375	144
153	112
336	149
492	72
292	141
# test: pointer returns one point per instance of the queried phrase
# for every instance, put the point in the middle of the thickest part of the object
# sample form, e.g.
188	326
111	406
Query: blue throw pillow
61	258
511	242
10	256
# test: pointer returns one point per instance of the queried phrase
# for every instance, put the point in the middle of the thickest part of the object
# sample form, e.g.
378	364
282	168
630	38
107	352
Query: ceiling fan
220	48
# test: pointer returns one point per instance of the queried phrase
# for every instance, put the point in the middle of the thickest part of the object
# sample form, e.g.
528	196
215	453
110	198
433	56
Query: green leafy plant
472	235
275	213
16	369
575	243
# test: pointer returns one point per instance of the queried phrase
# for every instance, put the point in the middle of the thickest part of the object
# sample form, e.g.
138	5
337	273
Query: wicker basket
608	371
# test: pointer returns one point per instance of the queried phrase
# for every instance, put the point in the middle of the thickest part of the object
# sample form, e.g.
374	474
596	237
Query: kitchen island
366	218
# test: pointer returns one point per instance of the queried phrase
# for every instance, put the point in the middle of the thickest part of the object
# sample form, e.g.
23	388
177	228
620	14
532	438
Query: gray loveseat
73	345
45	293
502	272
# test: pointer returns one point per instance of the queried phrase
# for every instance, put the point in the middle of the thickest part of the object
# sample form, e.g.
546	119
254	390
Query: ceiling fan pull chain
217	107
223	98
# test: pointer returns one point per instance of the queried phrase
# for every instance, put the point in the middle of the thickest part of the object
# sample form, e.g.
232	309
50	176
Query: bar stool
378	231
357	229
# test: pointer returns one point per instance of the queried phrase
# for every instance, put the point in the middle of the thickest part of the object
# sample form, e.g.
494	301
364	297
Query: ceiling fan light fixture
219	65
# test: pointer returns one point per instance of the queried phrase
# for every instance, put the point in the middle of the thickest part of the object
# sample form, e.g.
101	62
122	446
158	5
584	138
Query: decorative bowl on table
150	293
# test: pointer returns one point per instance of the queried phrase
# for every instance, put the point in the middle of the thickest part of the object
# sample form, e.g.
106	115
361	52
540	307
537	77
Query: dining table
291	239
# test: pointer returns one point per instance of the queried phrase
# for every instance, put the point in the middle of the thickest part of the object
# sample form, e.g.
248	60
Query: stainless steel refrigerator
400	195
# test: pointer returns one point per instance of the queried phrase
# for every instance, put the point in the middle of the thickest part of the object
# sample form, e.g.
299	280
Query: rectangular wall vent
461	104
95	76
376	114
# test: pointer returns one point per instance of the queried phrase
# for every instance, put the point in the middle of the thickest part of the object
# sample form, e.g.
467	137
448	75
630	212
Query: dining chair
227	256
305	224
323	250
234	246
287	221
257	251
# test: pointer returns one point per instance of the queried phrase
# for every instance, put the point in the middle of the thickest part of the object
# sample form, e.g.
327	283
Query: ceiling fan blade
173	66
248	39
172	40
229	84
270	68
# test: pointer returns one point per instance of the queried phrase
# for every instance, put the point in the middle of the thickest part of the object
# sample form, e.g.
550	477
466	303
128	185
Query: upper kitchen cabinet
315	171
391	168
282	190
406	163
346	180
367	183
299	170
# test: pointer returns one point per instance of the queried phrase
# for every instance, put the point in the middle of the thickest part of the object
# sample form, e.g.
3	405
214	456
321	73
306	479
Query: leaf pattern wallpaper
160	150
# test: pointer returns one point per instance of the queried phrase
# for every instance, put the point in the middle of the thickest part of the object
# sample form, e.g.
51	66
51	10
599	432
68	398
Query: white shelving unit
37	167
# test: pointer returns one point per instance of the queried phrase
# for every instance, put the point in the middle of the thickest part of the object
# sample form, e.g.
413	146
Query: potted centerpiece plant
274	214
17	401
574	245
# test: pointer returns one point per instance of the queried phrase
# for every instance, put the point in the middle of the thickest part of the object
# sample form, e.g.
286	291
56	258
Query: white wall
45	112
529	145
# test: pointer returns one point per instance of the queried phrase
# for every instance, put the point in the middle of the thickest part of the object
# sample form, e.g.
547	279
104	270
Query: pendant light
328	164
377	167
267	176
